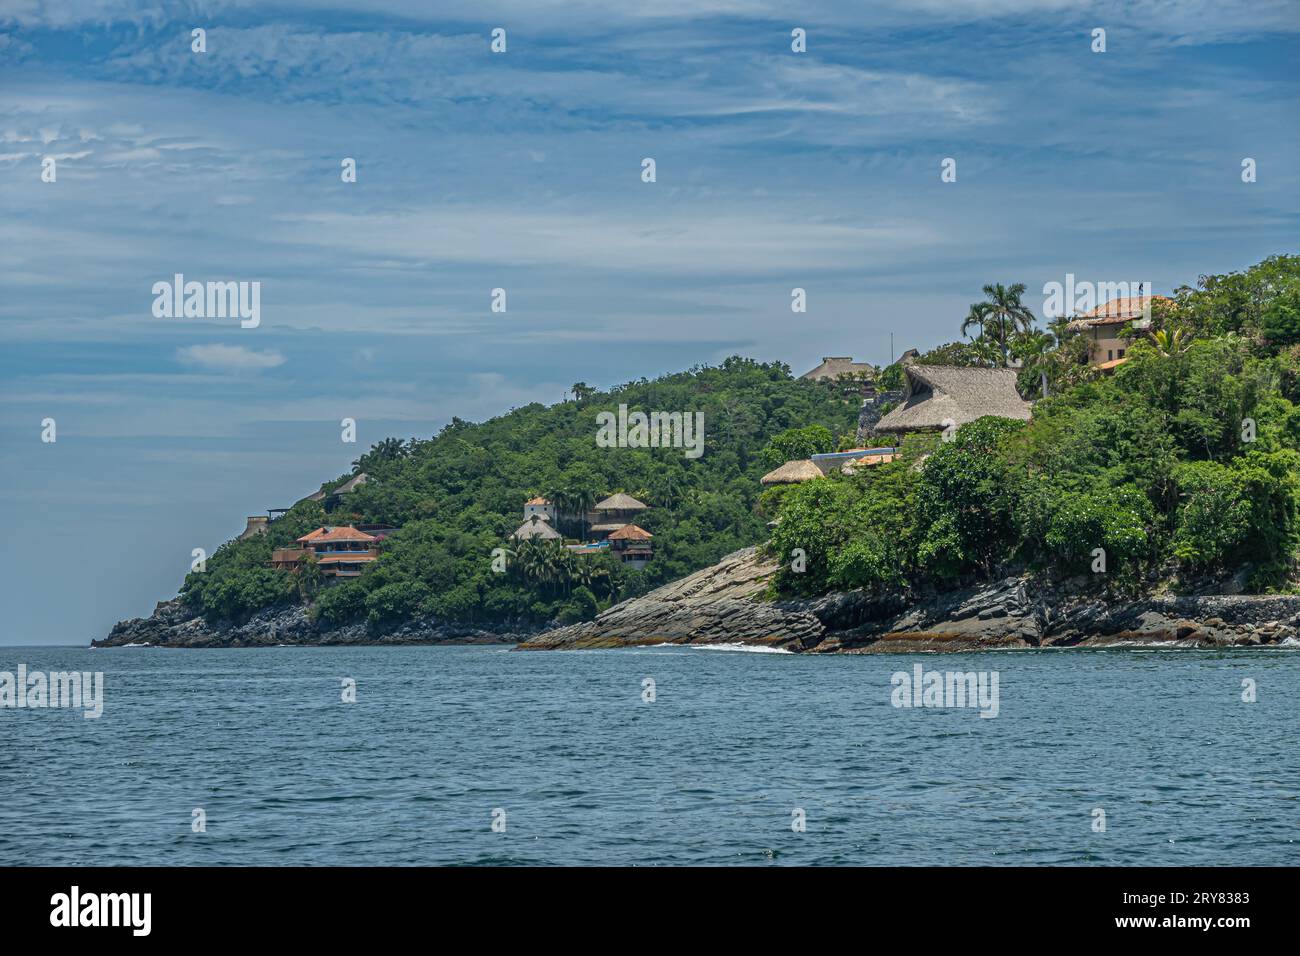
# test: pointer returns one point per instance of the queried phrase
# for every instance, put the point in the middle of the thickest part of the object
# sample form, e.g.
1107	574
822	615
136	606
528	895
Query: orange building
340	552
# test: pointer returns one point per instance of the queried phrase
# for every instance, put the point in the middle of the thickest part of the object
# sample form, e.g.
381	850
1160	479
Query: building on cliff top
1102	327
937	397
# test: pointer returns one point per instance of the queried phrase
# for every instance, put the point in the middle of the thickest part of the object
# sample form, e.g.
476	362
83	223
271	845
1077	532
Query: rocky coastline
726	604
174	625
723	604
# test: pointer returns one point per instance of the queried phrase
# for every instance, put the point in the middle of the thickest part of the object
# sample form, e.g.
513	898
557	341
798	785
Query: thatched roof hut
620	502
535	527
834	366
940	395
792	473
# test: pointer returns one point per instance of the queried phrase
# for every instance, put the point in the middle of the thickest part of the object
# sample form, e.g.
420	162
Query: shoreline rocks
723	604
173	625
726	604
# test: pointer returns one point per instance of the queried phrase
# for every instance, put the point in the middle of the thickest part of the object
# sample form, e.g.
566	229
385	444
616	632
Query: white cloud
231	358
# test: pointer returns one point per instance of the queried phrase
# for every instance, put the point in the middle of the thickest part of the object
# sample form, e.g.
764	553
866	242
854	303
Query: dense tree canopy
458	496
1183	463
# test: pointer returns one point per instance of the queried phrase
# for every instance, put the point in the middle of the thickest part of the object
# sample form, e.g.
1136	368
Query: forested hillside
1181	465
458	496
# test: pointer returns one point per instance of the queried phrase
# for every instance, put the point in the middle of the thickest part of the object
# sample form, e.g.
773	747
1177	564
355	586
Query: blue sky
522	170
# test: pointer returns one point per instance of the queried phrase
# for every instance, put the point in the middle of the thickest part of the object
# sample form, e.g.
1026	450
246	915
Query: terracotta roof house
937	396
834	366
1102	325
340	551
631	543
536	527
792	473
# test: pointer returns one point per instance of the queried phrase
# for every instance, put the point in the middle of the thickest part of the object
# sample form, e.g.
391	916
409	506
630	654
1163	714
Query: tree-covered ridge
1183	464
458	496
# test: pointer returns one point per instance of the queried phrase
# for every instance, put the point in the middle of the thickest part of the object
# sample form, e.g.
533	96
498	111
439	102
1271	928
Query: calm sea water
709	773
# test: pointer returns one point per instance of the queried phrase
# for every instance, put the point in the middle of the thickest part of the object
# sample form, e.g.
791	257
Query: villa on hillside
612	513
631	544
939	396
339	551
1102	326
609	523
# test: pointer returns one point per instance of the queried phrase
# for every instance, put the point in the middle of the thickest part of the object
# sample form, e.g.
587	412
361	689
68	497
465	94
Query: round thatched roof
792	472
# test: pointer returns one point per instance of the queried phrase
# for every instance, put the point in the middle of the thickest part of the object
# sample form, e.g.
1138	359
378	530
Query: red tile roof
346	533
1119	311
630	532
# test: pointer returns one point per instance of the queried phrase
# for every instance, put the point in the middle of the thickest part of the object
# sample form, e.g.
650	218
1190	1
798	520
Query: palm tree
582	499
985	352
581	391
666	489
1036	349
1170	342
1003	314
974	317
562	499
386	450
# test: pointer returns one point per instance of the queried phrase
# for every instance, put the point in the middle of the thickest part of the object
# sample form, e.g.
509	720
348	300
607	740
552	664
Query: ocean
655	756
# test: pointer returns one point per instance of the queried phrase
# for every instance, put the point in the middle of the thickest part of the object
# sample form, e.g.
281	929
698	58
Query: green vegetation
1185	462
458	496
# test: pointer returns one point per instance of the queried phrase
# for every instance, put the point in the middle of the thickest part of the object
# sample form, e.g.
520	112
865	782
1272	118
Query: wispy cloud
230	358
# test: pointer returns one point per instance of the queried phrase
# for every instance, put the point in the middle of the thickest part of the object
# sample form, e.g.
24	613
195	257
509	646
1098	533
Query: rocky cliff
723	604
173	625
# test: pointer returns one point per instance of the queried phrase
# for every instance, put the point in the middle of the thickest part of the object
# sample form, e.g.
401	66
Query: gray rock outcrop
725	604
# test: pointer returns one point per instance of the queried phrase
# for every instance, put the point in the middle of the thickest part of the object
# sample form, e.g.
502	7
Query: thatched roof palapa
619	502
939	395
535	527
834	366
792	472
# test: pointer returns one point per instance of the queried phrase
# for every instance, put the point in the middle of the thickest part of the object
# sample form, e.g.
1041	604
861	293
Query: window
1121	353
